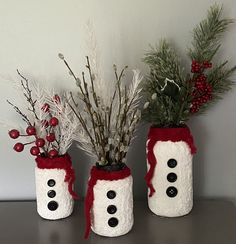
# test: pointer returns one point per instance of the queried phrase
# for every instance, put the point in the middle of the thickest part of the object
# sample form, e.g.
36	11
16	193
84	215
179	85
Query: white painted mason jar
170	174
111	211
54	182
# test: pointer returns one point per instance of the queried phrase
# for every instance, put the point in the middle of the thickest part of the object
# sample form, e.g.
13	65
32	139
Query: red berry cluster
202	93
198	67
42	145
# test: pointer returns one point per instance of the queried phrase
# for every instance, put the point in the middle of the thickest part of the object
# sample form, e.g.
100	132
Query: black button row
172	177
52	205
111	209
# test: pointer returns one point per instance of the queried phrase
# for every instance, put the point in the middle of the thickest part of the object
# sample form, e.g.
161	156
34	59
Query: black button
111	194
51	183
171	191
113	222
172	163
51	194
171	177
111	209
52	205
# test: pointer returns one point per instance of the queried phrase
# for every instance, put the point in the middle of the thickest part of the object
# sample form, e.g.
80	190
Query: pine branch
164	63
207	34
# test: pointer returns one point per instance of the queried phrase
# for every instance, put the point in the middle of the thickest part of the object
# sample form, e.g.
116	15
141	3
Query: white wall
33	32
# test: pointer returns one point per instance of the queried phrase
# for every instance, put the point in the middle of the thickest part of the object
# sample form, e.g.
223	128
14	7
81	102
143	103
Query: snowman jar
169	176
54	187
109	202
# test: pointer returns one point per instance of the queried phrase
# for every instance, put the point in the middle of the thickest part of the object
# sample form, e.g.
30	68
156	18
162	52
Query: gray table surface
210	222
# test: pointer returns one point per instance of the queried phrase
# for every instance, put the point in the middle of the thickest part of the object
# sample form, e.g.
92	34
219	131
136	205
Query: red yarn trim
61	162
164	134
95	175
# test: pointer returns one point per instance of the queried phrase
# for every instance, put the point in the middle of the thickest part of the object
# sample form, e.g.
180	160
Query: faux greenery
107	113
173	95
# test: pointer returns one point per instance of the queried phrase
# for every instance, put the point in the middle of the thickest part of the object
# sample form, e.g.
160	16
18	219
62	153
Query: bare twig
24	117
28	94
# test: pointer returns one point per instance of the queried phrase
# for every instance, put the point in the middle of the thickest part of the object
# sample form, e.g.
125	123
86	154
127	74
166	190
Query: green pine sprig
172	109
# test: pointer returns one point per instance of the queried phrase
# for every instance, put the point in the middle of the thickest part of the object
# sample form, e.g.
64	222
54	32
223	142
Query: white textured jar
53	198
54	179
109	202
113	207
172	177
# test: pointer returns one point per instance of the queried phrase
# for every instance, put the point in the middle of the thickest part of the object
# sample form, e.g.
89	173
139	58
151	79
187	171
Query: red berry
14	134
40	142
19	147
34	151
45	123
45	107
209	65
50	137
53	121
56	99
30	130
53	153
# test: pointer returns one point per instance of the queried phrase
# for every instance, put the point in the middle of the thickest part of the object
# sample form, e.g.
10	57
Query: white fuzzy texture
181	204
63	197
123	201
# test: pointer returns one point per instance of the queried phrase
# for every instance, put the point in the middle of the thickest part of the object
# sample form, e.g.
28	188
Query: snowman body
112	211
54	201
172	179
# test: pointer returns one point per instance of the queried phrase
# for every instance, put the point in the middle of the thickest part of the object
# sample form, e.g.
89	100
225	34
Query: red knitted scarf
61	162
164	134
95	175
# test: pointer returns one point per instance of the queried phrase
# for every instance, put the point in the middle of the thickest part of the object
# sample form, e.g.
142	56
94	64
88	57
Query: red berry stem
28	143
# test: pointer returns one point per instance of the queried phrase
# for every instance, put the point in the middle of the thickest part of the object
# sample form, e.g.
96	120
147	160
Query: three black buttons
171	177
52	205
111	209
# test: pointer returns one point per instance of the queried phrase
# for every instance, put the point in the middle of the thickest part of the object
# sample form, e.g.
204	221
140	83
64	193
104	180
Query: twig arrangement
108	127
